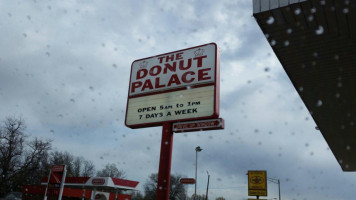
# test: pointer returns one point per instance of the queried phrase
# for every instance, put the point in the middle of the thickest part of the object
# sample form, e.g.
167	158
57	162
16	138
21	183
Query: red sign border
216	91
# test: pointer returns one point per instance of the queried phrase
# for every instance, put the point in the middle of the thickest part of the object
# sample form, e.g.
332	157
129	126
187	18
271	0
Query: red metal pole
165	160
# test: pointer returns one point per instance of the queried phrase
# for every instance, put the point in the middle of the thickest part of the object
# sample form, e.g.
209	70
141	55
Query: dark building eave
316	44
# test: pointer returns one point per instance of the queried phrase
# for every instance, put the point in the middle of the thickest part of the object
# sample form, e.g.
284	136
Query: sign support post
165	160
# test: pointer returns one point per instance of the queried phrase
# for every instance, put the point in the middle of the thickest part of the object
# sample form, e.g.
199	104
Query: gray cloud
65	69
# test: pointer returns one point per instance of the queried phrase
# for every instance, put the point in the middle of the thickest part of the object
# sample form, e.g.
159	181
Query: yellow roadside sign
255	199
257	183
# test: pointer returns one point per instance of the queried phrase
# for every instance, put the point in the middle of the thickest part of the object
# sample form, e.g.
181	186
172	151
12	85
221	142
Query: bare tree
77	166
176	191
88	169
198	197
136	195
63	158
20	160
111	170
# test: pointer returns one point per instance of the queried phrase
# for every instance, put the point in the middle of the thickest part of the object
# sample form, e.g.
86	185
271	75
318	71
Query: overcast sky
65	67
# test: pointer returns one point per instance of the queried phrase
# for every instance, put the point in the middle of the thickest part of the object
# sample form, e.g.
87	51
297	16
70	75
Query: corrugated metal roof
315	41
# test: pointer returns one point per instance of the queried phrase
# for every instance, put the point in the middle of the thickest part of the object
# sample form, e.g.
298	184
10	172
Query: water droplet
91	88
337	95
313	10
340	161
289	31
72	100
336	57
114	65
320	30
267	35
319	103
310	18
28	17
348	147
181	96
267	69
52	131
270	20
273	42
24	34
315	54
297	11
148	148
160	187
345	10
188	87
286	43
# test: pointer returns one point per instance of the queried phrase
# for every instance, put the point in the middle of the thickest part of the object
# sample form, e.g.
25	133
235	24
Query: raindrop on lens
320	30
319	103
270	20
286	43
289	31
297	11
273	42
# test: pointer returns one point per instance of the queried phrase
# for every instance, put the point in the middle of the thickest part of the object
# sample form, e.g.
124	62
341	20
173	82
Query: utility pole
279	189
207	186
197	149
276	181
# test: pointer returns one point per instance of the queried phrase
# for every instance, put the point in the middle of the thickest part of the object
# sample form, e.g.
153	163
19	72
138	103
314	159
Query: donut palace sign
174	87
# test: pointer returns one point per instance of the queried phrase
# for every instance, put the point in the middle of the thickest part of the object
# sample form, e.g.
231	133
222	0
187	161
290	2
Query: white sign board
175	86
